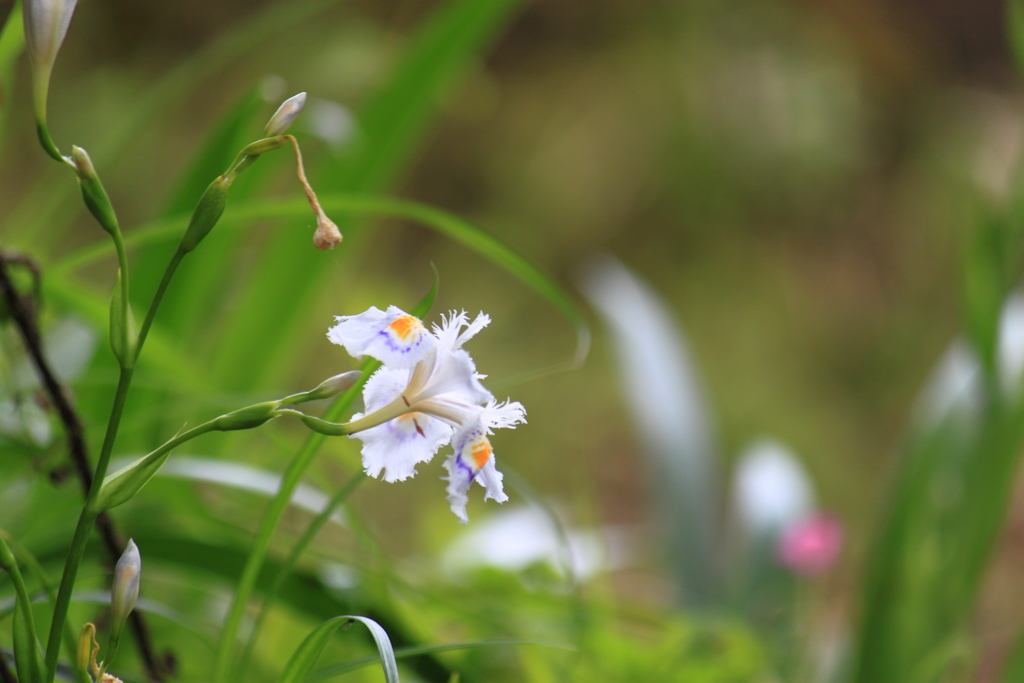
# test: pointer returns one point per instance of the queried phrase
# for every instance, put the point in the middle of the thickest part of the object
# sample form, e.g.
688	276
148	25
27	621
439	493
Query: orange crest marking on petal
481	452
404	325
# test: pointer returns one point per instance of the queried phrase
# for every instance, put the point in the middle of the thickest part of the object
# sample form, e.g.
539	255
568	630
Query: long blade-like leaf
444	223
305	657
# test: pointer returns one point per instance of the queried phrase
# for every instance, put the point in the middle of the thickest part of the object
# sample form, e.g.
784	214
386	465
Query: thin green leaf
444	223
309	651
27	655
405	652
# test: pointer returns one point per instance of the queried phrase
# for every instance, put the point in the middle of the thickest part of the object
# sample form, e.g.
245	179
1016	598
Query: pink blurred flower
812	545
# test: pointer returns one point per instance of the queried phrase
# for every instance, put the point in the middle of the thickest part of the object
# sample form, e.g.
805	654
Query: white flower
426	392
473	457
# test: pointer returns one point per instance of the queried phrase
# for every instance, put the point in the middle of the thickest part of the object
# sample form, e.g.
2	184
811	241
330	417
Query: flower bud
248	417
263	146
95	196
124	333
125	591
329	387
208	212
46	24
335	385
285	115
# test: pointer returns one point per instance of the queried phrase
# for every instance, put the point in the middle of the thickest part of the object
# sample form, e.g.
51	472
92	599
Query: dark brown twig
6	675
22	311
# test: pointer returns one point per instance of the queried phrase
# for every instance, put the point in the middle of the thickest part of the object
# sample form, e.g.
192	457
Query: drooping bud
125	591
46	24
95	196
285	115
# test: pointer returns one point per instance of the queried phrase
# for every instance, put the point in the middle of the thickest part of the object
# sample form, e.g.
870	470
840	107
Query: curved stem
165	281
307	537
289	482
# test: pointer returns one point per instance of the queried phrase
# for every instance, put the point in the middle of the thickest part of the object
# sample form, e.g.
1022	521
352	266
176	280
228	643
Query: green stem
165	281
311	531
89	514
85	523
289	482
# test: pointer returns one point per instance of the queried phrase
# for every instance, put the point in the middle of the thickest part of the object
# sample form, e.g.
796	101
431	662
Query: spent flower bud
285	115
327	235
125	591
87	648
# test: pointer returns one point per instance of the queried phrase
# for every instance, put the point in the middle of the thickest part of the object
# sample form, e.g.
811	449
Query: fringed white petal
504	415
393	337
450	332
397	446
383	387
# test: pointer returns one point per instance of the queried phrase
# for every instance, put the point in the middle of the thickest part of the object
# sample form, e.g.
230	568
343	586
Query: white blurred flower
771	488
426	392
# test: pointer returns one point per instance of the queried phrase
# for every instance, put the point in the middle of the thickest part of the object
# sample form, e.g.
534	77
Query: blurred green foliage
825	193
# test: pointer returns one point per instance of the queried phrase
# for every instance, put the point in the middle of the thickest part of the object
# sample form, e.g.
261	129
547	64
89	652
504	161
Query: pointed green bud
124	334
208	212
263	146
335	385
125	590
285	115
329	387
248	417
95	196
